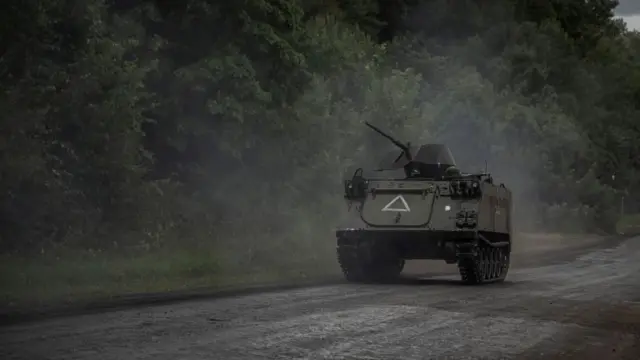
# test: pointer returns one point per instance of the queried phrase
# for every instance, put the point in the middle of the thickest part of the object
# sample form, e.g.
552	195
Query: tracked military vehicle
418	205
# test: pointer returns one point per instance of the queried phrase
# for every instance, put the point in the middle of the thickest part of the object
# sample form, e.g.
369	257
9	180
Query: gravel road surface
584	306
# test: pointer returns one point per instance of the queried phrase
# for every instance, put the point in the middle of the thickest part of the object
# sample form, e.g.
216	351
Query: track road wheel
487	265
504	261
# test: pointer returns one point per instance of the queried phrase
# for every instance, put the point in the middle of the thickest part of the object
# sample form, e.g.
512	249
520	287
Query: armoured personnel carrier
418	205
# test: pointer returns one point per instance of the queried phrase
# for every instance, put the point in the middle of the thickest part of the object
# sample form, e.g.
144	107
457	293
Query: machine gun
406	149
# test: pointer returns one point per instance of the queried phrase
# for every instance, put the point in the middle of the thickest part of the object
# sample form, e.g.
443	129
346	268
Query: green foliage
232	124
629	225
72	157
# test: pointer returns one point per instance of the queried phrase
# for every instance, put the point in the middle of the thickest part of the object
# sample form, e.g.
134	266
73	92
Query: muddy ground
569	299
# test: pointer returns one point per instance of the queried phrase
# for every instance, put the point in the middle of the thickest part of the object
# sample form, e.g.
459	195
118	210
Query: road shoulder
530	249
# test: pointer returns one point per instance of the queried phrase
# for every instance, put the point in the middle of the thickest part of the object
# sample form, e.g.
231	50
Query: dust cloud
292	188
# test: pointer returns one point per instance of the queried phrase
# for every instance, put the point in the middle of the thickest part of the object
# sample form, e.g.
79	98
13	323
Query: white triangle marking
389	207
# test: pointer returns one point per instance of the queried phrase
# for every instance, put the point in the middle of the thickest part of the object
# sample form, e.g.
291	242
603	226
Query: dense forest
152	124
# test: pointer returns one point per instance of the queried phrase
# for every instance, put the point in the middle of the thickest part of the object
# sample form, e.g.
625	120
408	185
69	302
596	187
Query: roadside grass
629	225
66	276
77	276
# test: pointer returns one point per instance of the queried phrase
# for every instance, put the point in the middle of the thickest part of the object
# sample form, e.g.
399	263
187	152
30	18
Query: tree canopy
145	122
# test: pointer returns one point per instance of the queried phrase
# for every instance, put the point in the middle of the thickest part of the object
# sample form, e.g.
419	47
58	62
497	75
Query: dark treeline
151	123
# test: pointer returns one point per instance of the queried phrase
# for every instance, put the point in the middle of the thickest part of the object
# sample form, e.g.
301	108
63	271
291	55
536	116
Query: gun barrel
397	143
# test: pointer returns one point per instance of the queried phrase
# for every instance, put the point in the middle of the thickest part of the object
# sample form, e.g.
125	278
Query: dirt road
585	305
